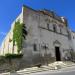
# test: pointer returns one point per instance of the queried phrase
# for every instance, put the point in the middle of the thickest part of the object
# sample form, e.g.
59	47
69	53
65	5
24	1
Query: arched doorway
57	50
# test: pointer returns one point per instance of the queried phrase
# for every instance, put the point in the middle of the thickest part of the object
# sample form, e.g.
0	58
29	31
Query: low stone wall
7	65
34	60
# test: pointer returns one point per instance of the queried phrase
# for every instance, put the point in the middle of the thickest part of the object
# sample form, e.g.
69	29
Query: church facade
47	39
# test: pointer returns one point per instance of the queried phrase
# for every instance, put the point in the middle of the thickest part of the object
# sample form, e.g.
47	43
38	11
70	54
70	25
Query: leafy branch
19	34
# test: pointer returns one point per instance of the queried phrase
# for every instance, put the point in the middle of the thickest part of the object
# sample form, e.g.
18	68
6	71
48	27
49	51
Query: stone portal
57	54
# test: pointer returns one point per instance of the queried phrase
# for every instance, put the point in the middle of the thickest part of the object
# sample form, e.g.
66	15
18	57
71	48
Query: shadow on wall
35	60
24	62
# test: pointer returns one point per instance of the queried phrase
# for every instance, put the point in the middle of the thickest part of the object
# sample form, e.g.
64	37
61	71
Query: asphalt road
56	73
66	71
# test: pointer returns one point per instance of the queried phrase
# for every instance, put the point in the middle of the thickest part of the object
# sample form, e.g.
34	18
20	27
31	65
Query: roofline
38	11
30	8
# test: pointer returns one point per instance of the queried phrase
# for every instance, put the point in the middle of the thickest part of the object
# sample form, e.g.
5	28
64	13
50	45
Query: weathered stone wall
40	33
7	65
11	65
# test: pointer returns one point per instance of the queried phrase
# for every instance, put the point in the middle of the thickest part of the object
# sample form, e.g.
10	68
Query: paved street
66	71
56	73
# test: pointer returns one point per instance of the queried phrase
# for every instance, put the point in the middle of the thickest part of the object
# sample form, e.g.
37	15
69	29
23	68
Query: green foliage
19	33
2	60
12	56
1	56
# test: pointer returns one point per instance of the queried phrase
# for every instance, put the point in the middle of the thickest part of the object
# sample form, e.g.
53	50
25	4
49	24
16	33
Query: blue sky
10	9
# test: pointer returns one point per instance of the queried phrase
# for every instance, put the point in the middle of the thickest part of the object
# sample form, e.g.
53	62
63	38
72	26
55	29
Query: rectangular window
73	37
60	29
54	27
35	47
69	35
48	26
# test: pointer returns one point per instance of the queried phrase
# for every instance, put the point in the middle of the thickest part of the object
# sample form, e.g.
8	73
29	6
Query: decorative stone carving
56	43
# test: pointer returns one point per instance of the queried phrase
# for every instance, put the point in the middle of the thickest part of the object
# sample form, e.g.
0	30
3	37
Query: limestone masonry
48	38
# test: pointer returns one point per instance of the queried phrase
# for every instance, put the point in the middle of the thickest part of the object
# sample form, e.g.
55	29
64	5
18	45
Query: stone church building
48	37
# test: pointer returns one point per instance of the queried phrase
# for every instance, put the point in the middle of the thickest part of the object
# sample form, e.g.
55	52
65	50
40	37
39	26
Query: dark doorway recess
57	53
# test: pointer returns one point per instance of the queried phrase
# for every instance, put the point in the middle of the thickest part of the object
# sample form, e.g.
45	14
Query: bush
12	56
